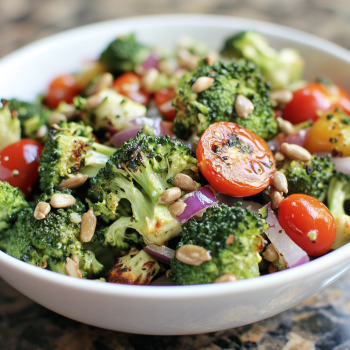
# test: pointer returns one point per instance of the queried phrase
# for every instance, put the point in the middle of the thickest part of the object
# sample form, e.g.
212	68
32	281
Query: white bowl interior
165	310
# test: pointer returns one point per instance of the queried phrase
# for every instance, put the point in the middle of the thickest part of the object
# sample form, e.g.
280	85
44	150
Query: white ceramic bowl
154	309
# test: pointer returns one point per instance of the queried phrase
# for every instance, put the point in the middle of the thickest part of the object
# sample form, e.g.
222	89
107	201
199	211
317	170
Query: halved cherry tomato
308	222
63	88
312	98
234	160
129	85
19	164
164	100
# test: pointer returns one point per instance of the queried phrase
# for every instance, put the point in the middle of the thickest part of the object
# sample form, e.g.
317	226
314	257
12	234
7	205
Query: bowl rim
286	277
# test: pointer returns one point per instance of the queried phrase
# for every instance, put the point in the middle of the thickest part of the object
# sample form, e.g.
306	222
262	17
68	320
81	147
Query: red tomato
312	98
164	99
129	85
308	222
63	88
234	160
19	164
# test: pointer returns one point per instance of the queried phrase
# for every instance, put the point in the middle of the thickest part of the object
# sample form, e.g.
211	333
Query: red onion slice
292	254
298	138
342	164
151	61
197	201
161	253
120	137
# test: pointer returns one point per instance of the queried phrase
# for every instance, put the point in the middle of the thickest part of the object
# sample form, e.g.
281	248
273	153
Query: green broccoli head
50	241
217	103
10	131
124	54
233	237
127	189
66	154
115	110
12	202
280	68
136	267
310	178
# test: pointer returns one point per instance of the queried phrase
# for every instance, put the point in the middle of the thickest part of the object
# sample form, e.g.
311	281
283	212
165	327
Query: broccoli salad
183	166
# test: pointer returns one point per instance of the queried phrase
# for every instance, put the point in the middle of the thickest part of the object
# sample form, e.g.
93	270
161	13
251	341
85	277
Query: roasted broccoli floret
67	153
232	236
217	103
12	202
113	110
127	189
280	68
50	241
310	178
137	267
10	130
124	54
338	193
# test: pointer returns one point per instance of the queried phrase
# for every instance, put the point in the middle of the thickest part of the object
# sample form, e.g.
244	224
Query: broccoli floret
124	54
50	241
10	131
127	189
280	68
114	110
66	154
232	235
12	202
217	103
137	267
24	109
338	193
310	178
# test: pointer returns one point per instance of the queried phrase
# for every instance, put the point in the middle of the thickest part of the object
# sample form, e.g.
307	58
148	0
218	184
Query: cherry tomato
129	85
163	100
19	164
63	88
234	160
312	98
307	101
308	222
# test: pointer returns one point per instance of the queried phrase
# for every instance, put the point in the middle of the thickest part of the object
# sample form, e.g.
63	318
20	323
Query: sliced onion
151	62
161	253
197	201
342	164
120	137
292	254
298	138
231	201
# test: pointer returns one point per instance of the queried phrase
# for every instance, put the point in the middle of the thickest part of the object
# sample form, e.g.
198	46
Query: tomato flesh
308	222
63	88
19	164
164	100
129	85
234	160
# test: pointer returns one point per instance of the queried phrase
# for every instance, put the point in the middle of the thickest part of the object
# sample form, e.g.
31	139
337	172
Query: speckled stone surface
321	322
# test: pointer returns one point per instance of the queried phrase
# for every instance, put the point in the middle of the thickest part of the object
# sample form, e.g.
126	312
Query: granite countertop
321	322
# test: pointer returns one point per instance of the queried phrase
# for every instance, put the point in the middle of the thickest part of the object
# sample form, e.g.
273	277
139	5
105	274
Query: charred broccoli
232	236
338	193
280	68
127	189
10	130
124	54
114	110
69	150
217	103
137	267
310	178
50	241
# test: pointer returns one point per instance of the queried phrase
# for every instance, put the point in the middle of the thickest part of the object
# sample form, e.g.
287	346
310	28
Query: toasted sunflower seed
191	254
